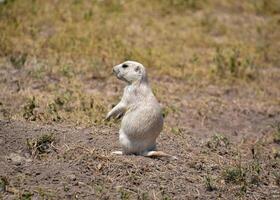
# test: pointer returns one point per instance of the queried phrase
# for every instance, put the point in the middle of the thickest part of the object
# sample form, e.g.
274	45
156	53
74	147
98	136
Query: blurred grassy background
58	44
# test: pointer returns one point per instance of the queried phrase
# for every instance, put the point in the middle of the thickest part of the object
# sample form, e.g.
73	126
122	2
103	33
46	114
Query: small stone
99	166
72	177
28	160
81	184
16	159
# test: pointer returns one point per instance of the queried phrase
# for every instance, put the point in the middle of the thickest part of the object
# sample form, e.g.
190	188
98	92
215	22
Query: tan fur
142	121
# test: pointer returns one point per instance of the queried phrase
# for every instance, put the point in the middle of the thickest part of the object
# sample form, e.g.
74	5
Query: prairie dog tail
154	154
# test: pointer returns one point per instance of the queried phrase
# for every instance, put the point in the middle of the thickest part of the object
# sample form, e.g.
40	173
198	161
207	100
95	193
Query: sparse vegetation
209	183
52	108
40	145
218	140
214	66
277	178
247	175
26	195
18	60
255	169
29	110
182	5
3	184
230	64
124	195
235	174
266	7
276	135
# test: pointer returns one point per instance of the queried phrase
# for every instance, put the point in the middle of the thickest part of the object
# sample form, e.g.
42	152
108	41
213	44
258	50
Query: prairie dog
142	119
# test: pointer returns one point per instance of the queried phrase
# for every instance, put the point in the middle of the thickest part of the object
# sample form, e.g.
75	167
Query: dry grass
57	45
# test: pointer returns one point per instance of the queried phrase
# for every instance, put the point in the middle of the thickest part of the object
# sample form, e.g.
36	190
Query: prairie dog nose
115	70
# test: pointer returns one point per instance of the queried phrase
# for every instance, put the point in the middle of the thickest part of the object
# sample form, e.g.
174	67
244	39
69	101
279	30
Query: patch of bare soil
225	139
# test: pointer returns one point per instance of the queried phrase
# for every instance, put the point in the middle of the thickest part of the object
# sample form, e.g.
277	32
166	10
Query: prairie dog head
130	72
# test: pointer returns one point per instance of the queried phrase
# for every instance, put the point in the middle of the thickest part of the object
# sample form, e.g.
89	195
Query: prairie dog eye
124	66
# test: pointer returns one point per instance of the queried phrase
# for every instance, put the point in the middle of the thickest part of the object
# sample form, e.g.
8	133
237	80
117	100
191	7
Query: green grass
234	175
277	178
26	195
209	183
124	194
29	110
229	63
3	183
250	173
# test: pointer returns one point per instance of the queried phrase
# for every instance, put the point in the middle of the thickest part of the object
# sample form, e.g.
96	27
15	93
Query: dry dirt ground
224	137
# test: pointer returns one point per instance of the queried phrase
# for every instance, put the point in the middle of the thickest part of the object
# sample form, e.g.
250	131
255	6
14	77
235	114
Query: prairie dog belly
140	128
142	122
